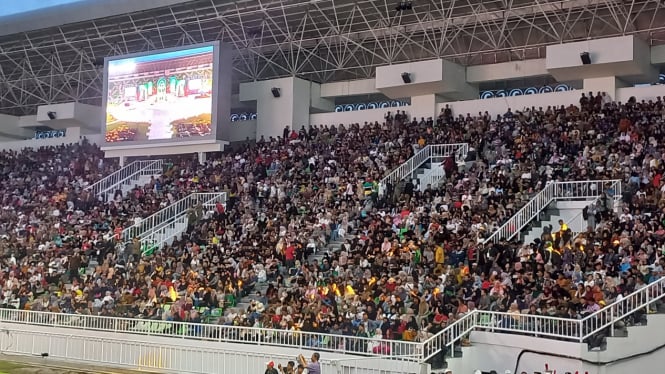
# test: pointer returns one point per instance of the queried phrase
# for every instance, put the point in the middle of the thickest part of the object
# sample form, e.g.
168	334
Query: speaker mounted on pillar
586	59
276	92
406	77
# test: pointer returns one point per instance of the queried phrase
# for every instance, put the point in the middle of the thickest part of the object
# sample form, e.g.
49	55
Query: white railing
436	151
451	335
585	190
129	173
578	224
577	330
404	350
432	177
523	216
577	190
164	233
643	298
171	213
87	352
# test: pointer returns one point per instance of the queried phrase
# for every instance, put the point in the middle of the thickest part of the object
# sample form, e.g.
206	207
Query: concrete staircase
160	227
128	185
631	336
549	216
137	172
569	212
429	173
563	199
422	160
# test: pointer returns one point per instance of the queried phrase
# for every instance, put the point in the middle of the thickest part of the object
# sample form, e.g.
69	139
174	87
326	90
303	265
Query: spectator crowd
306	233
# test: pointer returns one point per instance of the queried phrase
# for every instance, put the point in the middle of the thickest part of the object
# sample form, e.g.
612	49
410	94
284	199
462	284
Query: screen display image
161	96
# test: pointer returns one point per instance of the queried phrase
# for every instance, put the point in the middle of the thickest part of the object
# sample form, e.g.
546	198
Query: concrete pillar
291	108
608	85
202	157
423	106
625	57
123	161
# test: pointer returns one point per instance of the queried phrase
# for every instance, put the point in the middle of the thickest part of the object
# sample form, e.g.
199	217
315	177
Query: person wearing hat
270	368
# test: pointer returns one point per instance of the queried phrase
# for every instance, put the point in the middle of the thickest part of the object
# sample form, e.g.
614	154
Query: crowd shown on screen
408	263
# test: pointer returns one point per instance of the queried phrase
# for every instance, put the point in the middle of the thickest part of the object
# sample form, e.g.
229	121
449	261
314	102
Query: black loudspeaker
584	56
406	77
275	92
51	115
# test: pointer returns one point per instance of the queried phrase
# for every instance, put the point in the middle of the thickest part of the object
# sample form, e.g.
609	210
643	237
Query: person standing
270	368
313	367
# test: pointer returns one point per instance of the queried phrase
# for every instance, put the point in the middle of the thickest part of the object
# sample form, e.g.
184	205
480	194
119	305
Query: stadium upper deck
320	40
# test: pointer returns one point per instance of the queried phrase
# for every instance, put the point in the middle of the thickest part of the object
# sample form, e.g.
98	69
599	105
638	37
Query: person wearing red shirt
290	255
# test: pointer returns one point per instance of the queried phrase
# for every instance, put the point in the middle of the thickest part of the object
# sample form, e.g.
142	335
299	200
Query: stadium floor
36	365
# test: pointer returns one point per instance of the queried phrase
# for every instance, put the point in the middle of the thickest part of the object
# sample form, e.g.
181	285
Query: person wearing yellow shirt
439	255
564	227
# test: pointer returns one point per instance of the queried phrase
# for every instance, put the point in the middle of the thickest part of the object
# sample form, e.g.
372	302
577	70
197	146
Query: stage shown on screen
161	96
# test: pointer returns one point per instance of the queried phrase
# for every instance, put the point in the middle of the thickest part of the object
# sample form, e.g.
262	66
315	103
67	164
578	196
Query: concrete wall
641	93
241	130
73	135
506	70
626	57
349	88
11	129
432	77
273	113
172	355
358	116
87	117
637	353
500	105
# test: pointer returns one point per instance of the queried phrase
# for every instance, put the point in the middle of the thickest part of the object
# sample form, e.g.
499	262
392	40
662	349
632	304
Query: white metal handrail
172	212
620	309
157	236
147	355
523	216
577	330
450	335
459	150
578	224
553	191
404	350
130	172
538	325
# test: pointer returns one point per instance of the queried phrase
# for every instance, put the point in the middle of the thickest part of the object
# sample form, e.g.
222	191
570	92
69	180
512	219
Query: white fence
579	190
432	177
434	152
575	330
127	174
174	356
409	351
171	213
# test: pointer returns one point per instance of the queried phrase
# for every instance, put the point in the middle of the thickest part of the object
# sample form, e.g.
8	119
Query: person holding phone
313	367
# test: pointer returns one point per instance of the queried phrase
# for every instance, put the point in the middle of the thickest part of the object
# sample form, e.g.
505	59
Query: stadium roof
321	40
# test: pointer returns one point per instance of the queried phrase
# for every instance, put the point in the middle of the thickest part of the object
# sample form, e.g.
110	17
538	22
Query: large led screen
167	95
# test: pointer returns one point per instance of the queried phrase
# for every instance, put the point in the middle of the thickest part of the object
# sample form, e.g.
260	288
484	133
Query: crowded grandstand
308	242
372	187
